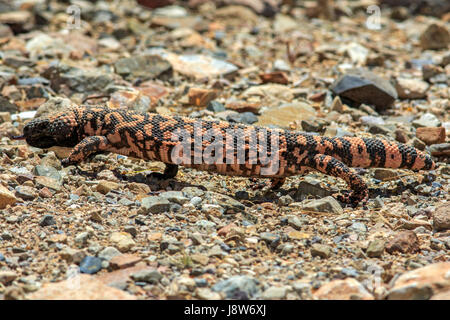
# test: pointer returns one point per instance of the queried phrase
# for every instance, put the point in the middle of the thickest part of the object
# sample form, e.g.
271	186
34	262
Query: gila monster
91	129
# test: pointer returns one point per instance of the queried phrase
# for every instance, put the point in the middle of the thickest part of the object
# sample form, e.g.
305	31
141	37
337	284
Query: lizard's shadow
269	195
153	182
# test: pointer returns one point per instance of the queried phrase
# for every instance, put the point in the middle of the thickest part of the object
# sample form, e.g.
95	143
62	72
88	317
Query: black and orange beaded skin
150	136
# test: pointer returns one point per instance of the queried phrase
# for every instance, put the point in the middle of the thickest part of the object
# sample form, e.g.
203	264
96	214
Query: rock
47	182
5	31
207	294
441	217
72	255
273	91
284	23
312	187
142	66
200	259
236	15
337	105
45	193
357	53
90	265
215	106
53	105
6	197
105	186
440	149
190	192
375	248
229	204
238	287
429	71
362	86
108	253
274	77
14	292
245	117
385	174
82	287
404	242
6	277
435	37
153	4
274	293
58	238
20	21
348	289
411	88
358	227
320	250
426	120
5	117
295	222
414	223
47	220
46	171
147	275
26	193
201	97
6	106
431	135
286	114
281	65
123	261
242	107
84	80
50	160
131	230
122	240
155	205
196	65
422	283
327	204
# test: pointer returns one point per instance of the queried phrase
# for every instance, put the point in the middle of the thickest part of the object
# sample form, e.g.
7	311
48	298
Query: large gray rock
362	86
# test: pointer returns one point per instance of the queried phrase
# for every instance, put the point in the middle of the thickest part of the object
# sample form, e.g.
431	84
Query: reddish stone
274	77
201	97
124	261
441	217
45	193
318	97
153	4
431	281
225	230
343	290
431	135
244	107
405	242
120	278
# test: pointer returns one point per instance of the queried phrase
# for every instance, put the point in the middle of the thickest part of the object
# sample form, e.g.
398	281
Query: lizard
149	136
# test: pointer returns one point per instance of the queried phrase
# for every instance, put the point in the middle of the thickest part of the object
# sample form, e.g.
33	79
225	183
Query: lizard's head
58	130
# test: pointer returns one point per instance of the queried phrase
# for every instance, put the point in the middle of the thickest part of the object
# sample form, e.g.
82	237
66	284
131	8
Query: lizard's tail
367	152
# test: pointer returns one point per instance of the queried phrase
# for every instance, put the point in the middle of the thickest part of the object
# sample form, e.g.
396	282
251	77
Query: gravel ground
105	230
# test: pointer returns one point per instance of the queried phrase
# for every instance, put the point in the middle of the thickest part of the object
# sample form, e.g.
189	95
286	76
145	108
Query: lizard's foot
170	172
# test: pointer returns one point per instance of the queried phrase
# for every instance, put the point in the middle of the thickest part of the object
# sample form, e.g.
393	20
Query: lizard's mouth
42	142
38	141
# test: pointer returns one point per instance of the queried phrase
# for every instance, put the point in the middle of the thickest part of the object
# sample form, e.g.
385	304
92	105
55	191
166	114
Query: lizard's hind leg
333	167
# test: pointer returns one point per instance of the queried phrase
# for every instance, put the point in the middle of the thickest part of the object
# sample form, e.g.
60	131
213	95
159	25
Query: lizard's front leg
86	147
